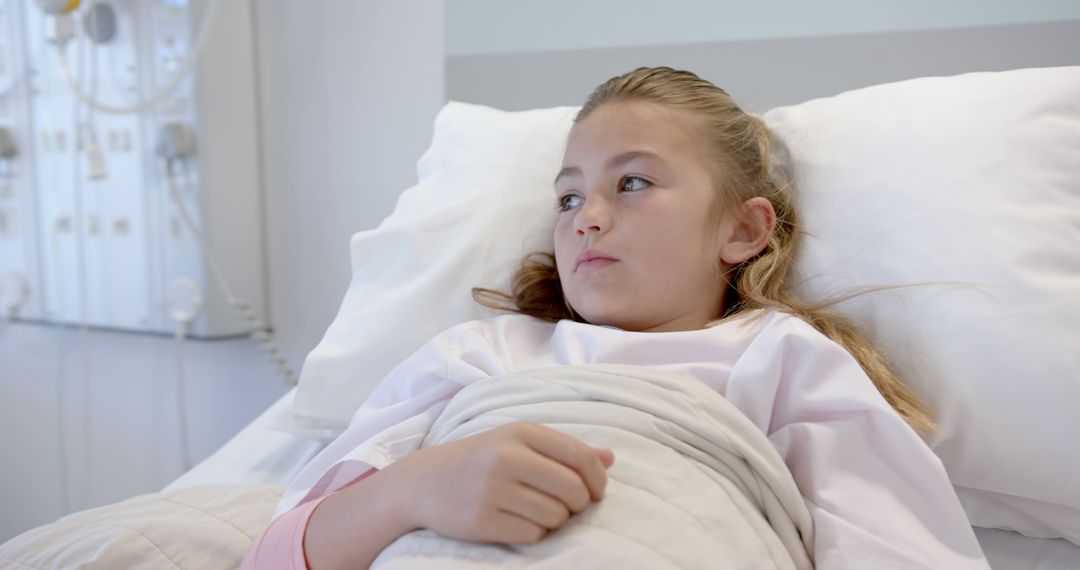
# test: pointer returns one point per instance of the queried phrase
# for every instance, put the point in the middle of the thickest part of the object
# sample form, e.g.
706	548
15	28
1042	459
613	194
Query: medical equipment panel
122	124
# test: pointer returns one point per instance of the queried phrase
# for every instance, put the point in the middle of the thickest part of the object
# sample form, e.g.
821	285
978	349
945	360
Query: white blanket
199	528
694	485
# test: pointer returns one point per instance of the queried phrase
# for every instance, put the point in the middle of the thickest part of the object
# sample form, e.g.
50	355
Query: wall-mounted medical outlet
90	218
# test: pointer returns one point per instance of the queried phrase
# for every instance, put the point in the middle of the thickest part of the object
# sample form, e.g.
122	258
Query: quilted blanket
694	485
205	528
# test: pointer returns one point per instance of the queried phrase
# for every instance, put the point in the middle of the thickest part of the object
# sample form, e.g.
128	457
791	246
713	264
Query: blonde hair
739	145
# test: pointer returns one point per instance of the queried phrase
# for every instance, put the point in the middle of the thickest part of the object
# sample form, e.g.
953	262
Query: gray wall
349	92
496	26
764	73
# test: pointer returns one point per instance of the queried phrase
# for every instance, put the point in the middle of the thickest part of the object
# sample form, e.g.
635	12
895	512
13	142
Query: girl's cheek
563	227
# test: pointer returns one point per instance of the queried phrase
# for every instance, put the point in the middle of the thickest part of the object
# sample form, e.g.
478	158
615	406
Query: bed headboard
762	74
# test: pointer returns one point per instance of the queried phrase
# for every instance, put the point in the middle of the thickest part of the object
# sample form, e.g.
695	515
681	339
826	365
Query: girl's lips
595	263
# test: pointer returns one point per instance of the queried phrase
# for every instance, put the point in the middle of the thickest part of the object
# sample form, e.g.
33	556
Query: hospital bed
975	187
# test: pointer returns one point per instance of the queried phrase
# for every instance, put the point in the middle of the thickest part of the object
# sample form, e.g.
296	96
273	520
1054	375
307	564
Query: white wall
496	26
348	94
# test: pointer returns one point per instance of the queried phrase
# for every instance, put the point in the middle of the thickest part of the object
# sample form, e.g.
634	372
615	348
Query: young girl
671	248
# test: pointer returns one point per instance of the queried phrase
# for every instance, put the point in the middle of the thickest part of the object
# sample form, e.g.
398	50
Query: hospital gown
878	495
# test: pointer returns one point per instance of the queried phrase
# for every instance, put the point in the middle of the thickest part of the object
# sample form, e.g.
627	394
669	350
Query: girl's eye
568	202
633	183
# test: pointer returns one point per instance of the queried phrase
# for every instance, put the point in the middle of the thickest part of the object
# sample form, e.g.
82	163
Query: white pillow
972	178
485	198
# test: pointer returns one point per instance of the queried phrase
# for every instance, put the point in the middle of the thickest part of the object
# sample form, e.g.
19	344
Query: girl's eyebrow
615	161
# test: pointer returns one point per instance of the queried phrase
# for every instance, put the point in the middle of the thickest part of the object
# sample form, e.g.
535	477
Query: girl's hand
512	484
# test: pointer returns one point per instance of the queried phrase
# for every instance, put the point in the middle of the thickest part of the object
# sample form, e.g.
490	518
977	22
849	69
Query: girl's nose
593	217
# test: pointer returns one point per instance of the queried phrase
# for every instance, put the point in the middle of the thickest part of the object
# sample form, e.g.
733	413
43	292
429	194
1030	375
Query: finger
509	528
570	452
533	505
553	479
607	456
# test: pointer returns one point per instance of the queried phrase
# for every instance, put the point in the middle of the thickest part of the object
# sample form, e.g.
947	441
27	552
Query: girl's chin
601	318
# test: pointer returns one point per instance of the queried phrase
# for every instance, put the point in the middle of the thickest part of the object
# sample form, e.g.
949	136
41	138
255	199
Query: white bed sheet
263	453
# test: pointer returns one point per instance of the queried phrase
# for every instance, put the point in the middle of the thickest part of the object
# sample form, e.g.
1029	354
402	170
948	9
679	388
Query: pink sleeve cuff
281	545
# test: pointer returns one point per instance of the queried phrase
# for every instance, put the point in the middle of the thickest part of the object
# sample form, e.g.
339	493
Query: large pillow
973	179
971	182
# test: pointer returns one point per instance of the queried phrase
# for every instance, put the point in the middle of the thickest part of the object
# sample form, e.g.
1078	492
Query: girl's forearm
350	528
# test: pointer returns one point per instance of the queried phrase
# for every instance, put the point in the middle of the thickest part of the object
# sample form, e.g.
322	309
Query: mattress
1007	550
269	451
262	452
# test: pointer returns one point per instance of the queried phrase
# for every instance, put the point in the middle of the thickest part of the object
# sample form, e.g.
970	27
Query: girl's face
636	245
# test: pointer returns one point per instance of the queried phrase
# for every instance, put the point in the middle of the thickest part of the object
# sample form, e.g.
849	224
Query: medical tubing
162	94
91	145
264	338
181	398
83	329
61	382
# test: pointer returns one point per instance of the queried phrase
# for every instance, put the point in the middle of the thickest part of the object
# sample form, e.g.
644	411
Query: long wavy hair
740	146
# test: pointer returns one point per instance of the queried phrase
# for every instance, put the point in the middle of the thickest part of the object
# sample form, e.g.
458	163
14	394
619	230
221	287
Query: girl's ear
746	233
